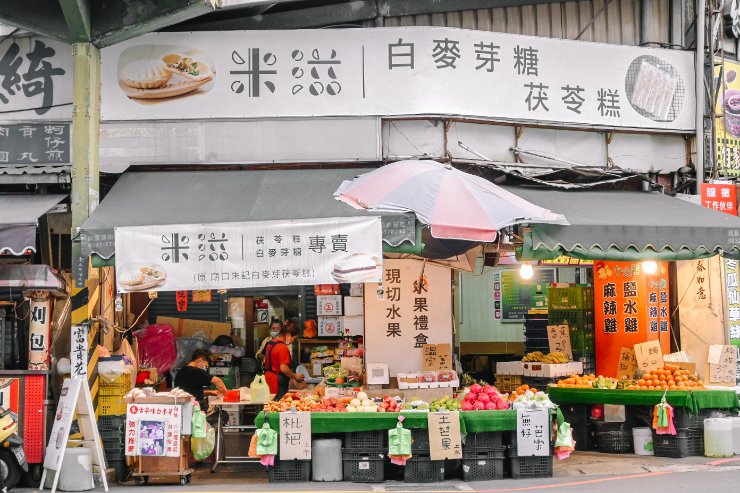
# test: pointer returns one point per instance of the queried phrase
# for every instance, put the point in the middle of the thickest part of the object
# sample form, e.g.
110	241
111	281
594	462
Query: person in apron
277	362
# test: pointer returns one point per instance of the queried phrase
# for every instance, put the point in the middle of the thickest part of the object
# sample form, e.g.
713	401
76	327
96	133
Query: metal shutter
165	306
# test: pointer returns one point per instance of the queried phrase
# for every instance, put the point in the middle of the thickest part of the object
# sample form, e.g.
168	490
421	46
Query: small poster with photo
152	438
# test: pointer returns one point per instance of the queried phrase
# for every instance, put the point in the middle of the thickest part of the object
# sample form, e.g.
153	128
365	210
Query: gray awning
619	225
193	197
32	277
19	216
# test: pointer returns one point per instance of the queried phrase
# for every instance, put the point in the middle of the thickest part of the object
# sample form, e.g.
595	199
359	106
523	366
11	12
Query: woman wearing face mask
275	327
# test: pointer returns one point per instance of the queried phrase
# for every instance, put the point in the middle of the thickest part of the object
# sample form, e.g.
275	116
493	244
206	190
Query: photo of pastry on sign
160	72
358	267
141	277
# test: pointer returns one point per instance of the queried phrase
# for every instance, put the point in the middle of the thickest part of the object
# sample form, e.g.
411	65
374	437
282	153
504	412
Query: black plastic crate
615	442
111	434
484	440
366	440
290	471
116	422
364	467
513	448
121	469
422	469
583	434
420	440
576	414
688	442
531	467
491	453
482	469
683	418
605	427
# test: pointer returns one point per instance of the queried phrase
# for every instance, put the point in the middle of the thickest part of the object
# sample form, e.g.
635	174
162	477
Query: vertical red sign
181	300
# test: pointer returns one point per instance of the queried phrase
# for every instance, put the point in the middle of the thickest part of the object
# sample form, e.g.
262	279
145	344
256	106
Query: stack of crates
364	456
689	438
484	455
574	305
528	467
421	468
112	422
112	431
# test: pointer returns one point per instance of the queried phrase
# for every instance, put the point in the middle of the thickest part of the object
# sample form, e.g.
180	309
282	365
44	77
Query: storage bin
290	471
327	459
531	467
643	441
615	442
364	467
422	469
484	440
366	440
483	469
111	405
687	442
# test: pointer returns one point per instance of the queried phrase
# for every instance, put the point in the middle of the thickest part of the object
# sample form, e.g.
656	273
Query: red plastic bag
157	347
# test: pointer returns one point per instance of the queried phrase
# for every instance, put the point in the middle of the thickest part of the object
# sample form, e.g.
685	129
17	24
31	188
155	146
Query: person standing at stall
278	360
275	327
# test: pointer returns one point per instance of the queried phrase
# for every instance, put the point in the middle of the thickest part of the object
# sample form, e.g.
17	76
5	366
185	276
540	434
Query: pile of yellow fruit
578	382
540	357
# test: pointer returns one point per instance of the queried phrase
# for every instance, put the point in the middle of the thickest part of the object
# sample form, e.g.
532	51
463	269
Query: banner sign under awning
248	254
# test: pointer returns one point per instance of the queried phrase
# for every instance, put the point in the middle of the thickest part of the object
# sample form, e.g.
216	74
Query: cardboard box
510	368
354	306
331	326
355	289
552	371
354	326
185	327
329	305
234	416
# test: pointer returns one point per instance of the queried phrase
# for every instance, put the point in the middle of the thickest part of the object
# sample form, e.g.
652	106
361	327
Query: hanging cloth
399	444
663	418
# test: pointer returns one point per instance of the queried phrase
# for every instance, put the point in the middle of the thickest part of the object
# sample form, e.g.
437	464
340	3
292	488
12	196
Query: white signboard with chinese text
39	327
396	71
558	337
722	364
248	254
732	285
295	436
153	430
78	352
74	403
444	435
649	356
532	432
37	79
412	307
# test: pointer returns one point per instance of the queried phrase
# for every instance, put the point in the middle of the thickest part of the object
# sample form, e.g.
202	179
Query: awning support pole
699	87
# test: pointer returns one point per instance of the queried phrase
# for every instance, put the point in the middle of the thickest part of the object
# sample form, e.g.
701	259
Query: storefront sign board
78	353
437	357
410	308
444	435
34	144
248	254
399	71
39	326
518	295
630	307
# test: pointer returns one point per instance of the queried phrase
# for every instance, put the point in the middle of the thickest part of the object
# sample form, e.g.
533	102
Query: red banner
720	197
631	307
181	300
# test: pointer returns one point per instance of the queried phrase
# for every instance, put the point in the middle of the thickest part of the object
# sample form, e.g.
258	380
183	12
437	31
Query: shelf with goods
574	306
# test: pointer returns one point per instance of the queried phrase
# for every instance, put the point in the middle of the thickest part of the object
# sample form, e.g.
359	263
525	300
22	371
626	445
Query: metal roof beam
396	8
77	15
327	15
41	17
114	22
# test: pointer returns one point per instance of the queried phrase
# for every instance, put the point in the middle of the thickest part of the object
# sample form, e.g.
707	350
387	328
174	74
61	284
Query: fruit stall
365	429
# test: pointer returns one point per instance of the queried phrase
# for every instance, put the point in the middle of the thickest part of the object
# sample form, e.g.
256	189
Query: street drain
428	488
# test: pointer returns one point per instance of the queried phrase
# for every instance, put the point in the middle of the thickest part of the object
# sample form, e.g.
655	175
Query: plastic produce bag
198	424
186	346
259	389
399	441
253	447
267	440
157	347
564	443
203	447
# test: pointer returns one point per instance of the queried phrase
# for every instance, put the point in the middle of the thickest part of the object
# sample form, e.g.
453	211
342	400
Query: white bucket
643	439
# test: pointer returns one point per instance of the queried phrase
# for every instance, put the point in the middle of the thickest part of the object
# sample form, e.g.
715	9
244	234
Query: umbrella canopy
457	205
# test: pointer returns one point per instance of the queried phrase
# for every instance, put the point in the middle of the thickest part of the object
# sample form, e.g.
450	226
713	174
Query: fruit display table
694	400
470	422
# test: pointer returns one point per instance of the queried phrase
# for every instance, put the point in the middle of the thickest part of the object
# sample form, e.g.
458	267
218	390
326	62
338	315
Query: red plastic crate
34	390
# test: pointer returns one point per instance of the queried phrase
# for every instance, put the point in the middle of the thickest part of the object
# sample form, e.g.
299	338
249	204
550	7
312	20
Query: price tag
295	436
722	363
559	338
627	363
444	435
437	357
532	432
649	356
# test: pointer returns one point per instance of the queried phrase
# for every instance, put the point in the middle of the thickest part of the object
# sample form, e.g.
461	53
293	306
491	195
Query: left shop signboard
248	254
35	79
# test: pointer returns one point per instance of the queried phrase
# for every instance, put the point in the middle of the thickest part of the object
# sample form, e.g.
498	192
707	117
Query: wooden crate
153	465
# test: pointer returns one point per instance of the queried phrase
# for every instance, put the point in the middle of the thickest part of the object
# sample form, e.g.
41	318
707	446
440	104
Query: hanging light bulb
526	271
650	267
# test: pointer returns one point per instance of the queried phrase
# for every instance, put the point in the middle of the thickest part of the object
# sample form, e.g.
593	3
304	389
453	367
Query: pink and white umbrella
457	205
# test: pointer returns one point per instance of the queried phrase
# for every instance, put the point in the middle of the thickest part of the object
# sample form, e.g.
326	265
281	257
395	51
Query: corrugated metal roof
619	23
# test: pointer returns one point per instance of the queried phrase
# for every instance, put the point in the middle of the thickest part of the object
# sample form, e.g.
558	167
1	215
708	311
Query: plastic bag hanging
267	440
564	443
663	418
198	424
399	444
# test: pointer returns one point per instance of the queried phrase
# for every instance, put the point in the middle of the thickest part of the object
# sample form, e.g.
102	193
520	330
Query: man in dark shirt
194	378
